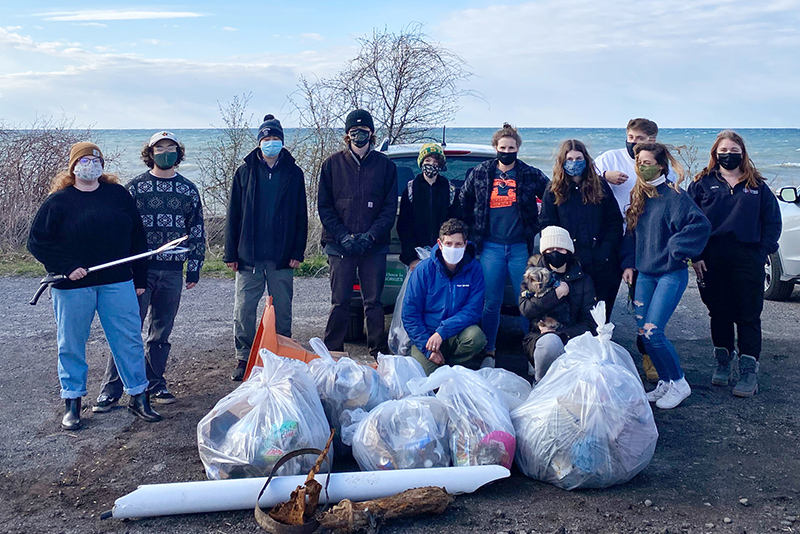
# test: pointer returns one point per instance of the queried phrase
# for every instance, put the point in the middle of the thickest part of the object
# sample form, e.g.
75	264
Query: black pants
606	286
734	294
370	271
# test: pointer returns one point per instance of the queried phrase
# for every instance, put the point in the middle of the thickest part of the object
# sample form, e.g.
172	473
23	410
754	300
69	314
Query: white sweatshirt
619	160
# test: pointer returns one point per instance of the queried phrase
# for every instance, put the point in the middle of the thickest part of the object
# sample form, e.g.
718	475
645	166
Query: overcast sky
572	63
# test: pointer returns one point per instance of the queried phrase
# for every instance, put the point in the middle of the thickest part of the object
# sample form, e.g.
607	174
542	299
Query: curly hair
65	179
590	183
452	227
642	190
749	172
506	131
147	155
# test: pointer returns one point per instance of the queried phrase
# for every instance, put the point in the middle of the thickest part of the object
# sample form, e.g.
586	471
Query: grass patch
20	263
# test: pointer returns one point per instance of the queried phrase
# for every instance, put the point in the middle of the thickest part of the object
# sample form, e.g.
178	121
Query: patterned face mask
90	170
575	167
430	170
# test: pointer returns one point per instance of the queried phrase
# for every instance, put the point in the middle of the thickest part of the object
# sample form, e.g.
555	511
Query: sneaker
238	373
661	389
162	397
531	369
679	390
488	362
104	404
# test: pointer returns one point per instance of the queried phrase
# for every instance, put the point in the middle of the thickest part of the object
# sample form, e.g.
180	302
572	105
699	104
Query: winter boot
72	414
747	386
649	369
140	407
724	371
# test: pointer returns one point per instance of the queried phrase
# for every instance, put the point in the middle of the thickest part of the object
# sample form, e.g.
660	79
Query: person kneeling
444	302
556	296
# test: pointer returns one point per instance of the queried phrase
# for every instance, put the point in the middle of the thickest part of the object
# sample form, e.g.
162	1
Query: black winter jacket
596	229
291	215
357	197
581	300
475	194
423	209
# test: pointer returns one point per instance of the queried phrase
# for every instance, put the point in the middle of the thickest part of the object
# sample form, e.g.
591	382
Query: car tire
774	287
355	325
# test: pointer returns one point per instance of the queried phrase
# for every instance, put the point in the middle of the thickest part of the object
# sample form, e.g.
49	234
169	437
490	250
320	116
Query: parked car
783	267
461	159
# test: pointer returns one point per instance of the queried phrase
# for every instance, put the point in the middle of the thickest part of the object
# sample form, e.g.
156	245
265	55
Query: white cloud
114	14
229	29
312	36
13	28
93	24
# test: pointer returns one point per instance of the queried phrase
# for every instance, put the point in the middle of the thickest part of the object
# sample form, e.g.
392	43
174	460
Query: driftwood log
348	516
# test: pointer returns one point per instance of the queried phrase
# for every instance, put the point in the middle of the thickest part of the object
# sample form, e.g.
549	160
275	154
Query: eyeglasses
163	149
86	160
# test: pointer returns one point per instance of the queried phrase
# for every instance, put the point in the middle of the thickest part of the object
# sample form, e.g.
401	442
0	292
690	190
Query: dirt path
712	452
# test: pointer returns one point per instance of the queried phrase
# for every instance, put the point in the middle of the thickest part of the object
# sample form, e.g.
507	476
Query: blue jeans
118	309
500	262
655	301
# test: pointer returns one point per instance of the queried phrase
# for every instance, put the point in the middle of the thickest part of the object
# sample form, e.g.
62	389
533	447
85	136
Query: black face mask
729	160
629	147
507	158
360	138
557	259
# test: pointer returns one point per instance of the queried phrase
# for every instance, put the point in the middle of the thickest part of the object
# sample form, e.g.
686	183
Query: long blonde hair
749	172
591	184
643	190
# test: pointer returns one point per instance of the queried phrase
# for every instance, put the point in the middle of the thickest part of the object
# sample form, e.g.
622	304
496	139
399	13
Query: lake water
776	152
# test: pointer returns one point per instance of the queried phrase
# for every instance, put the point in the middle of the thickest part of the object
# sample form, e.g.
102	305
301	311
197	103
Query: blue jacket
437	300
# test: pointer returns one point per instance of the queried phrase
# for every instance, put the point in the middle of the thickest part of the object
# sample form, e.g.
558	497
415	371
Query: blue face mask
575	167
271	148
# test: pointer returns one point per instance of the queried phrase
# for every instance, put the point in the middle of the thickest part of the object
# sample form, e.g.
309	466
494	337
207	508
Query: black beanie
270	127
359	117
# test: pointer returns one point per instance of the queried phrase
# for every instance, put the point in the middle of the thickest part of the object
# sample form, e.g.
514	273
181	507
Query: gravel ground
722	464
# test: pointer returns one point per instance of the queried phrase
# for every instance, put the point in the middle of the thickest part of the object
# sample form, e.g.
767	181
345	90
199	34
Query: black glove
365	241
350	245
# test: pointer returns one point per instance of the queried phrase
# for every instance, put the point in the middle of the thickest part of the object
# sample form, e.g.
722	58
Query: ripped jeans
654	303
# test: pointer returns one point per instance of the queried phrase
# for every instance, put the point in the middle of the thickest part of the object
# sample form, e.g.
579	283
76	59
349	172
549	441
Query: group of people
623	216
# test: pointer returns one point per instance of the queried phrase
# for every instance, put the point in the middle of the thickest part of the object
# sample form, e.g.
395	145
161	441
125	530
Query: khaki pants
462	349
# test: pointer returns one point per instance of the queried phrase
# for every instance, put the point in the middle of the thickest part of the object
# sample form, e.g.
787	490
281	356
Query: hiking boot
747	386
661	389
104	404
724	371
238	373
649	369
163	397
140	407
678	391
72	414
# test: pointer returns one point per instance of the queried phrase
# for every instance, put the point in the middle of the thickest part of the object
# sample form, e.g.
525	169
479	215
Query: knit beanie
359	117
85	148
430	149
270	127
555	237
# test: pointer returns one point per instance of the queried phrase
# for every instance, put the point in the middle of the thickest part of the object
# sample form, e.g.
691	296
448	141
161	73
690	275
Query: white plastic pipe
240	494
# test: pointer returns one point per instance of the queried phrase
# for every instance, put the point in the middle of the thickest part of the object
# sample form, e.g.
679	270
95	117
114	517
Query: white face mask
89	172
453	255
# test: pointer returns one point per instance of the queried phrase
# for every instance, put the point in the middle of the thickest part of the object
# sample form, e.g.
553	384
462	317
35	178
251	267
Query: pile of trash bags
277	410
587	424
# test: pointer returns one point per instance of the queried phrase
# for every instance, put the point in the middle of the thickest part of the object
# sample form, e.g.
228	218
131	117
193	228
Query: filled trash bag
396	372
275	411
398	340
587	424
479	425
513	388
344	385
409	433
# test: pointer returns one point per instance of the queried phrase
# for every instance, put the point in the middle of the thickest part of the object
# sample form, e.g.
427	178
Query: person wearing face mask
745	227
665	228
265	236
560	311
170	207
89	219
357	205
581	202
444	302
426	203
498	202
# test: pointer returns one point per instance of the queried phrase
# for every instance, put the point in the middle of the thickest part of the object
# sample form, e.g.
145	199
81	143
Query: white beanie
555	237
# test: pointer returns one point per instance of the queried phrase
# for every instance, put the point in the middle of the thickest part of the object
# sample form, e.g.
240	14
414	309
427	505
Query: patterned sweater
171	208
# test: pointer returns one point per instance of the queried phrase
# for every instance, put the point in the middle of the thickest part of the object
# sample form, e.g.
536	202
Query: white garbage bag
398	340
513	388
397	371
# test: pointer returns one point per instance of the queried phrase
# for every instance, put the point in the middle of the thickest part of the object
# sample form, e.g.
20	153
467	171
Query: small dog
539	281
